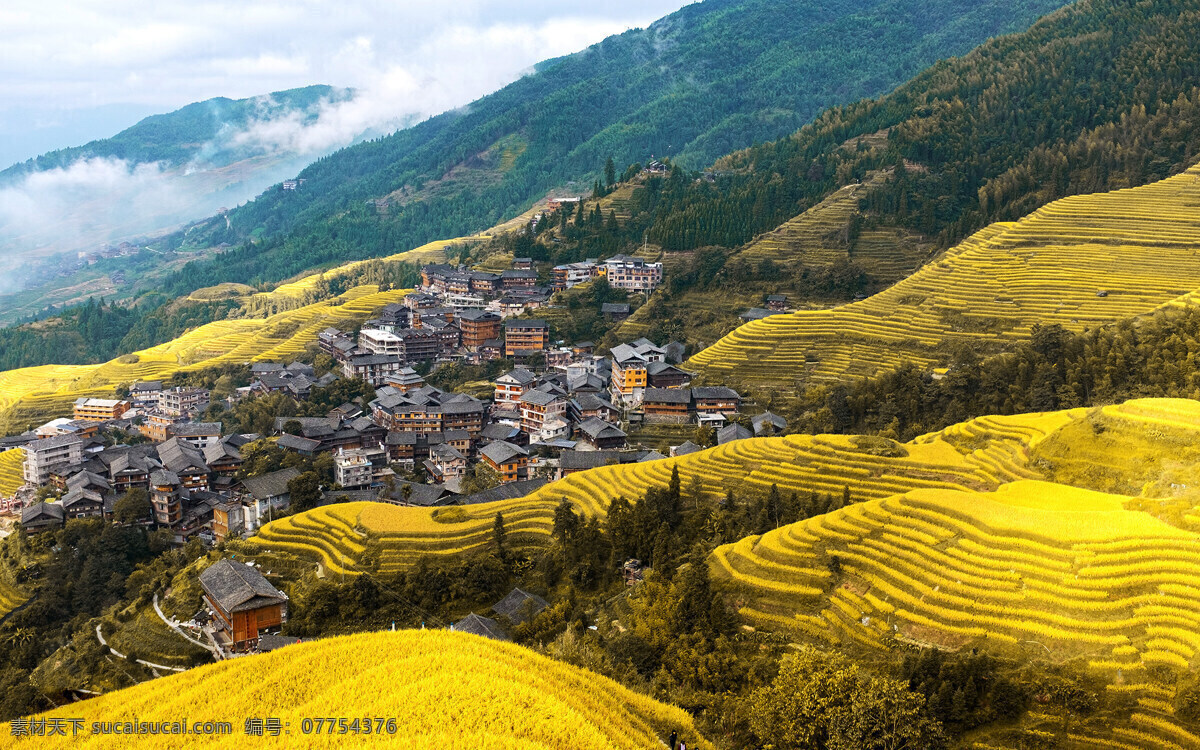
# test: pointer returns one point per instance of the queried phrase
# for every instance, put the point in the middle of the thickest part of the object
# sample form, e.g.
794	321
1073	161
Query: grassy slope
1138	245
443	689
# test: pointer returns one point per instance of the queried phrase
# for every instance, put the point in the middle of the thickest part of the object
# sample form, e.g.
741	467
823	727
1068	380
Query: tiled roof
519	605
482	626
237	587
270	485
501	451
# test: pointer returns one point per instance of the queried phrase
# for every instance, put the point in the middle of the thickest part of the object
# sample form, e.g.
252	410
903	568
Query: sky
68	68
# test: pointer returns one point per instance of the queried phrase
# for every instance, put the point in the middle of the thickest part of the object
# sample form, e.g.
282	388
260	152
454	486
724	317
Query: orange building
510	461
629	377
477	327
101	409
523	338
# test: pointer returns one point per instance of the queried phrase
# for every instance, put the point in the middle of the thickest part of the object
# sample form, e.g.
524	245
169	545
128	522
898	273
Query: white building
353	468
378	341
632	273
44	456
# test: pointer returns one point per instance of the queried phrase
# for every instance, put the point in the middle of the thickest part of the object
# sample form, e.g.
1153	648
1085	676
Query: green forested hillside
1098	96
713	77
176	138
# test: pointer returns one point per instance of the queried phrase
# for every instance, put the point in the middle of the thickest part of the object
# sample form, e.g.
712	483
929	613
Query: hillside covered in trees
1098	96
711	78
188	133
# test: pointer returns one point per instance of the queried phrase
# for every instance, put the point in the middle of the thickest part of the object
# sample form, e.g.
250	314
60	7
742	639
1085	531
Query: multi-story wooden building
101	409
539	408
524	338
165	490
715	400
242	602
478	326
667	405
510	461
510	386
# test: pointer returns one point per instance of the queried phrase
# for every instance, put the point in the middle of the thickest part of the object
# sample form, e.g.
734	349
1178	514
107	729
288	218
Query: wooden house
243	603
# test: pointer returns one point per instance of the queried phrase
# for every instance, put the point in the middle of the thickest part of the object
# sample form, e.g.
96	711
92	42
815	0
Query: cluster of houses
627	272
560	410
415	332
507	293
537	426
190	481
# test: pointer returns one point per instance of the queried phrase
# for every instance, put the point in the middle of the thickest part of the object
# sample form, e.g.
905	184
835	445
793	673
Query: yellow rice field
1043	568
11	467
33	395
955	541
439	689
1080	262
356	537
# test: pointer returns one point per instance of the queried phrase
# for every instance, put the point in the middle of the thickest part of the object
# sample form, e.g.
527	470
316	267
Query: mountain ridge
580	109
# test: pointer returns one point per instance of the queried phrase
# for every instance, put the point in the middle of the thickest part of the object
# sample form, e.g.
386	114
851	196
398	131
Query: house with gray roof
485	627
600	435
509	491
265	495
731	432
519	606
768	424
42	517
242	602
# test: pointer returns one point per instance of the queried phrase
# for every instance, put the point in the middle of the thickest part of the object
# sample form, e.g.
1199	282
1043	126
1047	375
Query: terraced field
1047	568
1035	565
816	238
1081	261
34	394
440	689
10	598
355	537
12	464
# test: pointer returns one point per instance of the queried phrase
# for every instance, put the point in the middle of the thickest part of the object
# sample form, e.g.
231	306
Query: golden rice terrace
1080	262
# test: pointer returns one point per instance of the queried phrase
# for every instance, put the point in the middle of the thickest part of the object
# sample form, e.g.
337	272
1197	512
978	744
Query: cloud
91	52
407	61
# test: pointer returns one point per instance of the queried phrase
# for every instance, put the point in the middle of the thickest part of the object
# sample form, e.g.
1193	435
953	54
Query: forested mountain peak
190	132
710	78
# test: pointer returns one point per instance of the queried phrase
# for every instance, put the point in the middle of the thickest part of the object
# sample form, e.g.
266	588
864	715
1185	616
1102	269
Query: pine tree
610	173
499	536
661	559
773	503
